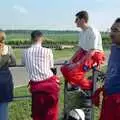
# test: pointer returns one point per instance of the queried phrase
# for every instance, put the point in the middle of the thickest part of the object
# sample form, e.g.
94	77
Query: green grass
64	54
20	109
18	54
58	54
63	37
54	37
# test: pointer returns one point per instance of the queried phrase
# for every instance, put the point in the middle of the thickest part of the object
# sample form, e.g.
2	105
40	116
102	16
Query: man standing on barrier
89	53
44	85
111	90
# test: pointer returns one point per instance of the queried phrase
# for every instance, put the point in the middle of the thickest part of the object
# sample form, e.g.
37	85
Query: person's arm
12	60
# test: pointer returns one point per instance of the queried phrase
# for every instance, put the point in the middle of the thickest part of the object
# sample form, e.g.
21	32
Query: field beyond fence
52	38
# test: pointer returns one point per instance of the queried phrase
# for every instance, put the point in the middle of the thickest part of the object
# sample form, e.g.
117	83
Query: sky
56	14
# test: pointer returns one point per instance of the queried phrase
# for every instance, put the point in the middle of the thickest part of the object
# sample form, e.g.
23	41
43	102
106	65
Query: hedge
105	41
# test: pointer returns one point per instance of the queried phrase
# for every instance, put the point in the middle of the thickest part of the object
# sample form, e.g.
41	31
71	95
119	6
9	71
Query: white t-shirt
90	39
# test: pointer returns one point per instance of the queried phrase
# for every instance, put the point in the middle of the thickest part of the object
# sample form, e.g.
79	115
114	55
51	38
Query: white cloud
20	9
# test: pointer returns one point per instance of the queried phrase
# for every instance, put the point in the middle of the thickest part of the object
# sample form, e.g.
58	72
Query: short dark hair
83	14
35	34
117	20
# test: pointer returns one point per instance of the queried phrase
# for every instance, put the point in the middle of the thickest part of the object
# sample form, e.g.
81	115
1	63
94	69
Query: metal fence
20	108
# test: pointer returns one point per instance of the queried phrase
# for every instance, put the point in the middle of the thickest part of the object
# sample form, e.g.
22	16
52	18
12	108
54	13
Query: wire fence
20	108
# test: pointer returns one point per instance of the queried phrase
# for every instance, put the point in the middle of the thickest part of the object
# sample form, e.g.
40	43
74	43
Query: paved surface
20	75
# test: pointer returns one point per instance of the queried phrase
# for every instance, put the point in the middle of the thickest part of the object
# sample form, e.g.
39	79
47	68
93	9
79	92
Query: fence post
94	79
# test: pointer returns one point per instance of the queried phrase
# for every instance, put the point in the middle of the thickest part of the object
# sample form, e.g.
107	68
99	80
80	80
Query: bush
49	42
18	42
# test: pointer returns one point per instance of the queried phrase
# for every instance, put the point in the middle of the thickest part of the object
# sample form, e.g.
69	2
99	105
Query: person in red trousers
44	85
89	53
111	89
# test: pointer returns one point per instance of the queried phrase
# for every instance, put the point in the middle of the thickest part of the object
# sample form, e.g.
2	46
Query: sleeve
12	61
51	59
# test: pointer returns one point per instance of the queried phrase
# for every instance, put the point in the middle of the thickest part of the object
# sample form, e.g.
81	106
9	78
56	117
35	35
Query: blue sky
56	14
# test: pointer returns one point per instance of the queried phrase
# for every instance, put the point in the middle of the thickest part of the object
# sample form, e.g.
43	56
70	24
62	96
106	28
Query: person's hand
29	89
28	86
68	62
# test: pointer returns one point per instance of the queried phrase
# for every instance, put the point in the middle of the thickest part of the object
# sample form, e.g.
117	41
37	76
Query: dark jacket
6	83
112	81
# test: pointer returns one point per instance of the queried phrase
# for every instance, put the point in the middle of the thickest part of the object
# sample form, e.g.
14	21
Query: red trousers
76	75
45	97
111	108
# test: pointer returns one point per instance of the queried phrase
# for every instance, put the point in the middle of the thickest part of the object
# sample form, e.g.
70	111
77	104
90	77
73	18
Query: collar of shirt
37	45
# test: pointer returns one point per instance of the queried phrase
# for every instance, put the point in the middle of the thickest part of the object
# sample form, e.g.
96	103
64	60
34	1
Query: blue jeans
4	111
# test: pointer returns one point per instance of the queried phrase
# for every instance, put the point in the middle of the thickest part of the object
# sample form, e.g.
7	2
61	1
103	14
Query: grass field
64	54
63	37
52	37
58	54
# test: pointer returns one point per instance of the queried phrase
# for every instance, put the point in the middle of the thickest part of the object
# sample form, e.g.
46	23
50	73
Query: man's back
90	39
38	62
43	84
